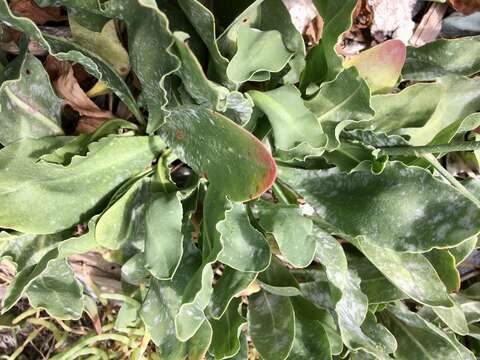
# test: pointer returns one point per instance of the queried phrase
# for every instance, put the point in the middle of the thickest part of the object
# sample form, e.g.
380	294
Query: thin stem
429	149
450	178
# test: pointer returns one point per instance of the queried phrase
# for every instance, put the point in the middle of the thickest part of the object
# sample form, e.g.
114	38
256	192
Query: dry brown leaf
313	32
88	125
68	88
466	7
39	15
430	26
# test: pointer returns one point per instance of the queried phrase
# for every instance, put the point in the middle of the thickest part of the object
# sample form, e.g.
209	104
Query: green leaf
57	291
311	340
462	251
27	275
243	247
162	304
79	144
28	104
443	57
461	99
38	196
416	337
278	280
373	283
411	107
271	325
66	50
163	240
226	332
259	53
381	65
232	159
453	317
445	266
230	284
352	305
134	271
204	91
26	249
411	273
347	97
291	231
441	216
323	62
105	43
296	130
204	23
124	220
151	57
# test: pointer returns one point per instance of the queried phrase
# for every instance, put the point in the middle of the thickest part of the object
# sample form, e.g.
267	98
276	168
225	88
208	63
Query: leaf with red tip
232	159
381	65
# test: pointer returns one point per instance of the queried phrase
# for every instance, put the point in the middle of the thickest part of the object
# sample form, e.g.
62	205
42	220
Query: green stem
429	149
88	341
450	178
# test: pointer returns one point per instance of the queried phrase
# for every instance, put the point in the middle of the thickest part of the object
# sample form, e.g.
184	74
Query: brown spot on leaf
179	135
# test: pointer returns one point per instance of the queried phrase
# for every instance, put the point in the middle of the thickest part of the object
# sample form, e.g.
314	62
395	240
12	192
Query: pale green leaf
57	291
231	283
416	337
296	130
291	231
259	53
226	332
271	325
435	216
38	196
29	107
443	57
243	247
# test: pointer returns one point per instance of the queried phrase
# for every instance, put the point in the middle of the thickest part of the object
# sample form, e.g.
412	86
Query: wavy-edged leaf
441	216
259	53
243	247
443	57
57	291
204	91
162	304
411	273
29	107
296	131
381	65
27	249
151	57
38	196
352	305
445	266
204	23
226	332
291	231
373	283
347	97
105	43
416	337
311	340
232	159
163	240
27	275
411	107
461	99
231	283
278	280
67	50
323	62
453	317
271	325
